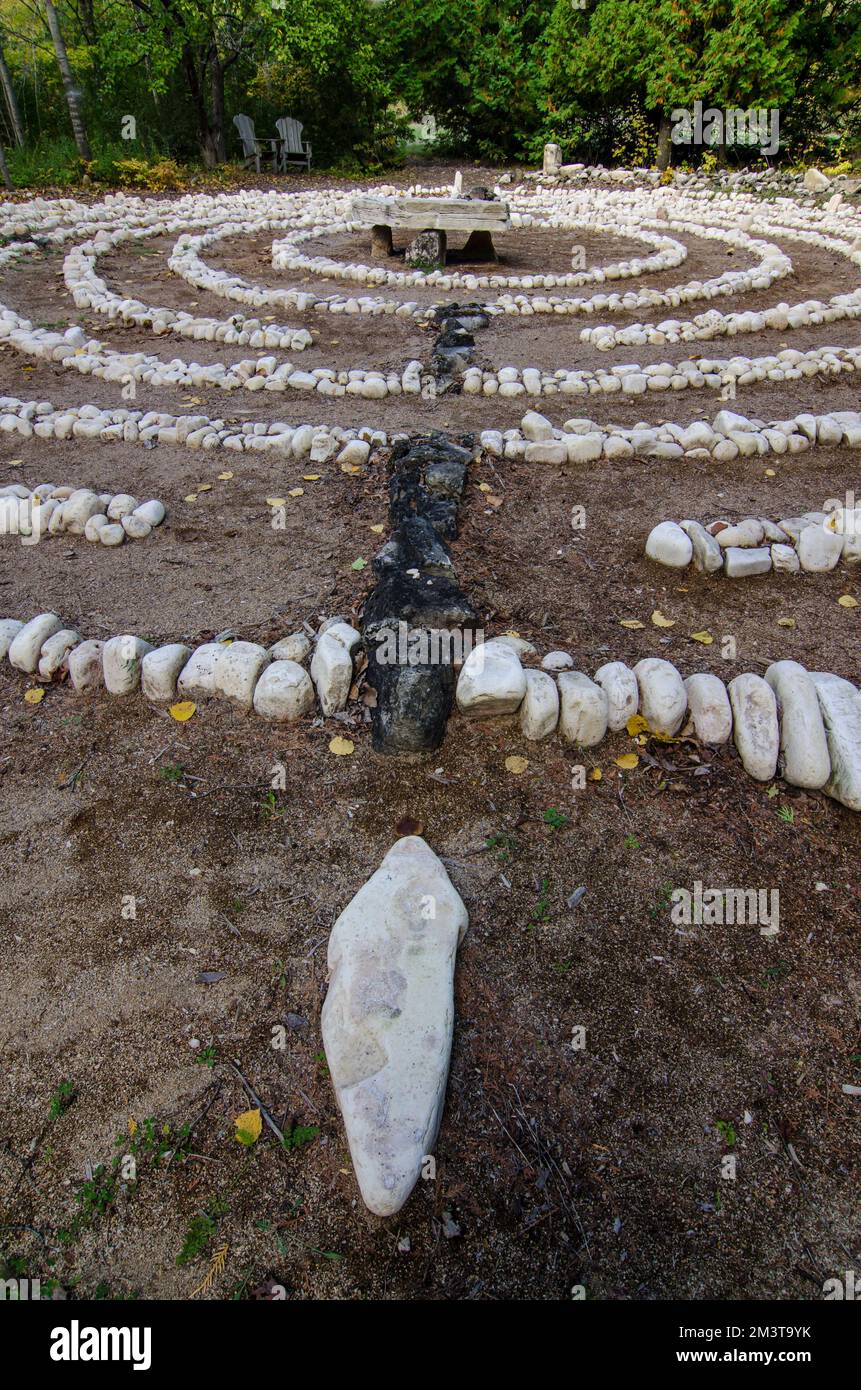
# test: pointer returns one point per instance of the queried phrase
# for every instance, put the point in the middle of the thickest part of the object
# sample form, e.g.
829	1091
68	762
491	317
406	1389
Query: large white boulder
160	671
121	663
755	728
9	629
491	681
619	684
539	711
663	700
237	671
284	691
197	677
584	709
26	646
709	708
332	673
840	704
388	1016
668	544
85	667
803	746
55	651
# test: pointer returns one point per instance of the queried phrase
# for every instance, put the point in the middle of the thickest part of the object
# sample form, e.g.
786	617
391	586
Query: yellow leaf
378	530
847	601
276	501
770	473
511	633
225	477
311	477
516	764
636	724
249	1126
494	501
342	747
660	621
704	637
133	1126
484	487
192	497
627	761
786	622
296	492
183	710
595	775
631	623
34	695
204	487
351	468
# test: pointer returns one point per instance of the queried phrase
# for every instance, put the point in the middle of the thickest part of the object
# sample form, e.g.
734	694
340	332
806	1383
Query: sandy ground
556	1166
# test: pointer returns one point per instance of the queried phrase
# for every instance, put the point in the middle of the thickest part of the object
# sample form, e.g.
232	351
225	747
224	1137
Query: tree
15	122
70	87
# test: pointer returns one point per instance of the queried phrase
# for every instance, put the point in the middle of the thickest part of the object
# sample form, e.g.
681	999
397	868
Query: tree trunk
73	94
4	170
12	107
664	144
204	128
219	142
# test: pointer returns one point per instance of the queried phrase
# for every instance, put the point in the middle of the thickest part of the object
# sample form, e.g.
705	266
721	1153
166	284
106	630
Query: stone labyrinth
695	345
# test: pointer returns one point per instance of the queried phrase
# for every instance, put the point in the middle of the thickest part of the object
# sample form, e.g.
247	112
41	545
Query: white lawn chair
294	150
251	146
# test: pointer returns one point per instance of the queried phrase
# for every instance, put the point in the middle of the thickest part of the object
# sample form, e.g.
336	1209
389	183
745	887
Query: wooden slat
433	214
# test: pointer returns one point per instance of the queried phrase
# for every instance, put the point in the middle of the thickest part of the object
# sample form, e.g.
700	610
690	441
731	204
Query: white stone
623	694
539	712
749	532
123	504
709	708
112	535
663	700
840	704
78	509
803	748
536	427
667	544
160	671
94	527
584	709
819	549
135	527
121	663
197	677
54	652
26	646
9	629
151	512
557	661
284	691
707	554
755	728
491	681
237	671
784	559
332	673
85	667
355	452
388	1015
345	634
295	648
517	644
739	563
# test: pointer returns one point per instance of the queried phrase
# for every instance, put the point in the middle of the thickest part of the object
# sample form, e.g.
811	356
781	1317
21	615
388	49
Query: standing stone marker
388	1017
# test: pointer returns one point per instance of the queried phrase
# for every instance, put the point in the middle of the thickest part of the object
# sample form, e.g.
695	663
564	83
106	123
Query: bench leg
479	247
381	241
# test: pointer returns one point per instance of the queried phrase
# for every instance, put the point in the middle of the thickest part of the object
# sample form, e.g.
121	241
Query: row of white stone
273	683
809	723
813	542
106	517
579	440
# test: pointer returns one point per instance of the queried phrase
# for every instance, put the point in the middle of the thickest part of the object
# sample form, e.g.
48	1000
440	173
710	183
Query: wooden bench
477	216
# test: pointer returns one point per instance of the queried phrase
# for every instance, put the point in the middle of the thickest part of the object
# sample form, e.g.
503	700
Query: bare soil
600	1166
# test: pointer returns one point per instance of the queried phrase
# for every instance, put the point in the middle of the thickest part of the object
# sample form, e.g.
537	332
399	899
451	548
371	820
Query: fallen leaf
342	747
249	1126
225	477
770	473
351	468
359	564
378	529
704	637
516	764
636	725
660	621
296	492
627	761
631	623
786	622
204	487
495	501
34	695
182	710
311	477
847	601
484	487
276	501
133	1126
192	497
595	775
408	826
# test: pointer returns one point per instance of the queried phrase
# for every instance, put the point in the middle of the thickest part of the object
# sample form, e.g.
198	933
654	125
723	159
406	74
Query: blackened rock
433	602
413	705
445	478
418	540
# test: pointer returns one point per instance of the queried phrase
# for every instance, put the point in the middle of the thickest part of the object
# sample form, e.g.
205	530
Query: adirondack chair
294	150
251	146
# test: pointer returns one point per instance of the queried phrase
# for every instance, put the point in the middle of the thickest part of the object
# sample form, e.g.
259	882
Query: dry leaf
225	477
516	764
378	529
407	825
627	761
311	477
847	601
786	622
770	473
636	725
660	621
192	497
494	501
704	637
276	501
484	487
296	492
34	695
204	487
595	775
630	623
342	747
182	710
249	1126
